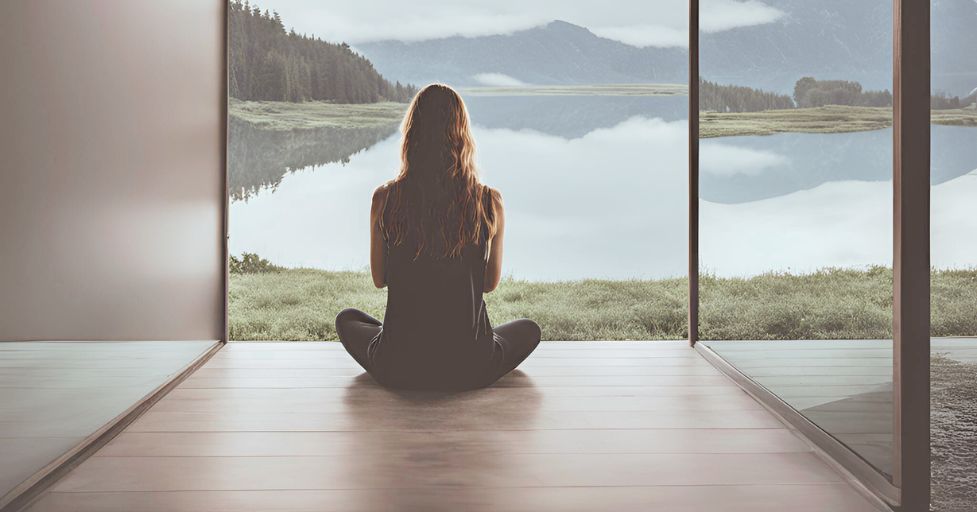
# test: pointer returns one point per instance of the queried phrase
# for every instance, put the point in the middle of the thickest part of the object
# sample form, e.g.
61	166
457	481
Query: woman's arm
378	254
493	268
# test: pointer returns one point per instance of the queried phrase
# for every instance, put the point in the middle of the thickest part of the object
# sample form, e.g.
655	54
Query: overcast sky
636	22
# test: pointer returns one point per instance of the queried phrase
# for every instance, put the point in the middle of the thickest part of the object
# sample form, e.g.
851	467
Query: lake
596	187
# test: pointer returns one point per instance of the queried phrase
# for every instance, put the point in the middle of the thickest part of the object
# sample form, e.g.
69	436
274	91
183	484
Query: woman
436	244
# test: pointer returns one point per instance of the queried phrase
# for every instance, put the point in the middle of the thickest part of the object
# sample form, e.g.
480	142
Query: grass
829	119
285	116
581	90
301	304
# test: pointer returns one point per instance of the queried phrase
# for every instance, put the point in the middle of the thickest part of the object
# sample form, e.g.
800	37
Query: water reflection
571	117
743	169
574	205
594	191
259	159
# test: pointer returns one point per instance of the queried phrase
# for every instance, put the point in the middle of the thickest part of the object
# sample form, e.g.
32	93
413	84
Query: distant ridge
558	53
829	39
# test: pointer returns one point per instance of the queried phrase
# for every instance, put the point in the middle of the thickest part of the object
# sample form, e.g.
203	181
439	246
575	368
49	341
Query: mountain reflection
594	189
571	117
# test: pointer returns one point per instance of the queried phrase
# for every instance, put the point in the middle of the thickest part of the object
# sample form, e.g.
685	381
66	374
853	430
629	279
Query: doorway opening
580	120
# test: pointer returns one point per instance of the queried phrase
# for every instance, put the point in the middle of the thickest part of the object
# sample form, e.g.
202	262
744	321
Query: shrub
250	263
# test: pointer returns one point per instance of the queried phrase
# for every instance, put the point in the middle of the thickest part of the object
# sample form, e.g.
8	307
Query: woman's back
435	312
436	243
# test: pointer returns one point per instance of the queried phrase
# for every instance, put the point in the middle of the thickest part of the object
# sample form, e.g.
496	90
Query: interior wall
112	156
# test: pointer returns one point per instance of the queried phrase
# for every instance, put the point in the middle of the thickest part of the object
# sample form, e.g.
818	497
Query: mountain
828	39
840	40
556	53
954	40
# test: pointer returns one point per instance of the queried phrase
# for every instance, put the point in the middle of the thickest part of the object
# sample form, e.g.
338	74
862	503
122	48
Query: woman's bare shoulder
497	206
381	192
494	194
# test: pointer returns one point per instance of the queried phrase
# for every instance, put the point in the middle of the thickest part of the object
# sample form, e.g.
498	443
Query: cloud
720	15
646	35
662	23
727	160
717	16
837	224
498	80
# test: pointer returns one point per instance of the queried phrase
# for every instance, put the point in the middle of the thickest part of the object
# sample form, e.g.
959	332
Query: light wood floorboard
54	395
843	386
582	426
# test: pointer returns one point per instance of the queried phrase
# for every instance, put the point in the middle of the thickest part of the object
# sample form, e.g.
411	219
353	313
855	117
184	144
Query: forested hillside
733	98
810	92
266	62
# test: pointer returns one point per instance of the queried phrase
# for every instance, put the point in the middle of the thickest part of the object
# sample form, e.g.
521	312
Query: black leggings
519	338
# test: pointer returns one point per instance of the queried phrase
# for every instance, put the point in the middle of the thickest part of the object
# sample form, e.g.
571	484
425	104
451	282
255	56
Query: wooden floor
54	395
843	386
585	426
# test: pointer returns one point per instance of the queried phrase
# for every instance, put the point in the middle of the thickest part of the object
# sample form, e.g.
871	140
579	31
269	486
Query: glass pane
796	208
579	112
953	369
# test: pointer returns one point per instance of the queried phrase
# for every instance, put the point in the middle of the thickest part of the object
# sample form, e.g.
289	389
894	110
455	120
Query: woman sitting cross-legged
436	244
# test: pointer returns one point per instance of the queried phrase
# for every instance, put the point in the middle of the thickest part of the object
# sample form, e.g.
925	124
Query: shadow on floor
408	417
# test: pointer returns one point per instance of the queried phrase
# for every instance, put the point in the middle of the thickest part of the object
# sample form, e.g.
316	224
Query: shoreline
285	116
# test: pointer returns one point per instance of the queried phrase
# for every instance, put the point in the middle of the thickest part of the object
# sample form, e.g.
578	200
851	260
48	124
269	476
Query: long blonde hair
437	204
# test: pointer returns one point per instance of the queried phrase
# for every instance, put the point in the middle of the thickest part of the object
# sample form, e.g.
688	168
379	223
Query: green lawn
580	90
829	119
301	304
284	116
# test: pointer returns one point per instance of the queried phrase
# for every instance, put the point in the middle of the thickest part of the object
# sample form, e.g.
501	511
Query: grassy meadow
829	119
301	304
580	90
284	116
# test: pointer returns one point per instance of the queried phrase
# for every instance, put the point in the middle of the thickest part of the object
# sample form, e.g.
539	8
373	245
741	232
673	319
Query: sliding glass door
810	238
953	362
796	211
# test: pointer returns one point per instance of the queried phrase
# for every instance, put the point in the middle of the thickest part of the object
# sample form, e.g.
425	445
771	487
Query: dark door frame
911	253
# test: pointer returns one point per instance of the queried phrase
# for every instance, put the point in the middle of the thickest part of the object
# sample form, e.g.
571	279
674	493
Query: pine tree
266	62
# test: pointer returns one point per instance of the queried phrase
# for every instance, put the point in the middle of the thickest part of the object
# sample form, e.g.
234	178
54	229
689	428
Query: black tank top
436	330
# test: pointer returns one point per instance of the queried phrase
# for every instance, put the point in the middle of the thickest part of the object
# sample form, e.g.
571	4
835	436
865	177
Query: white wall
111	169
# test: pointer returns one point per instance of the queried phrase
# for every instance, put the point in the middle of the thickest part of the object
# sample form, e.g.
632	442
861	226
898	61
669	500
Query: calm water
595	187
